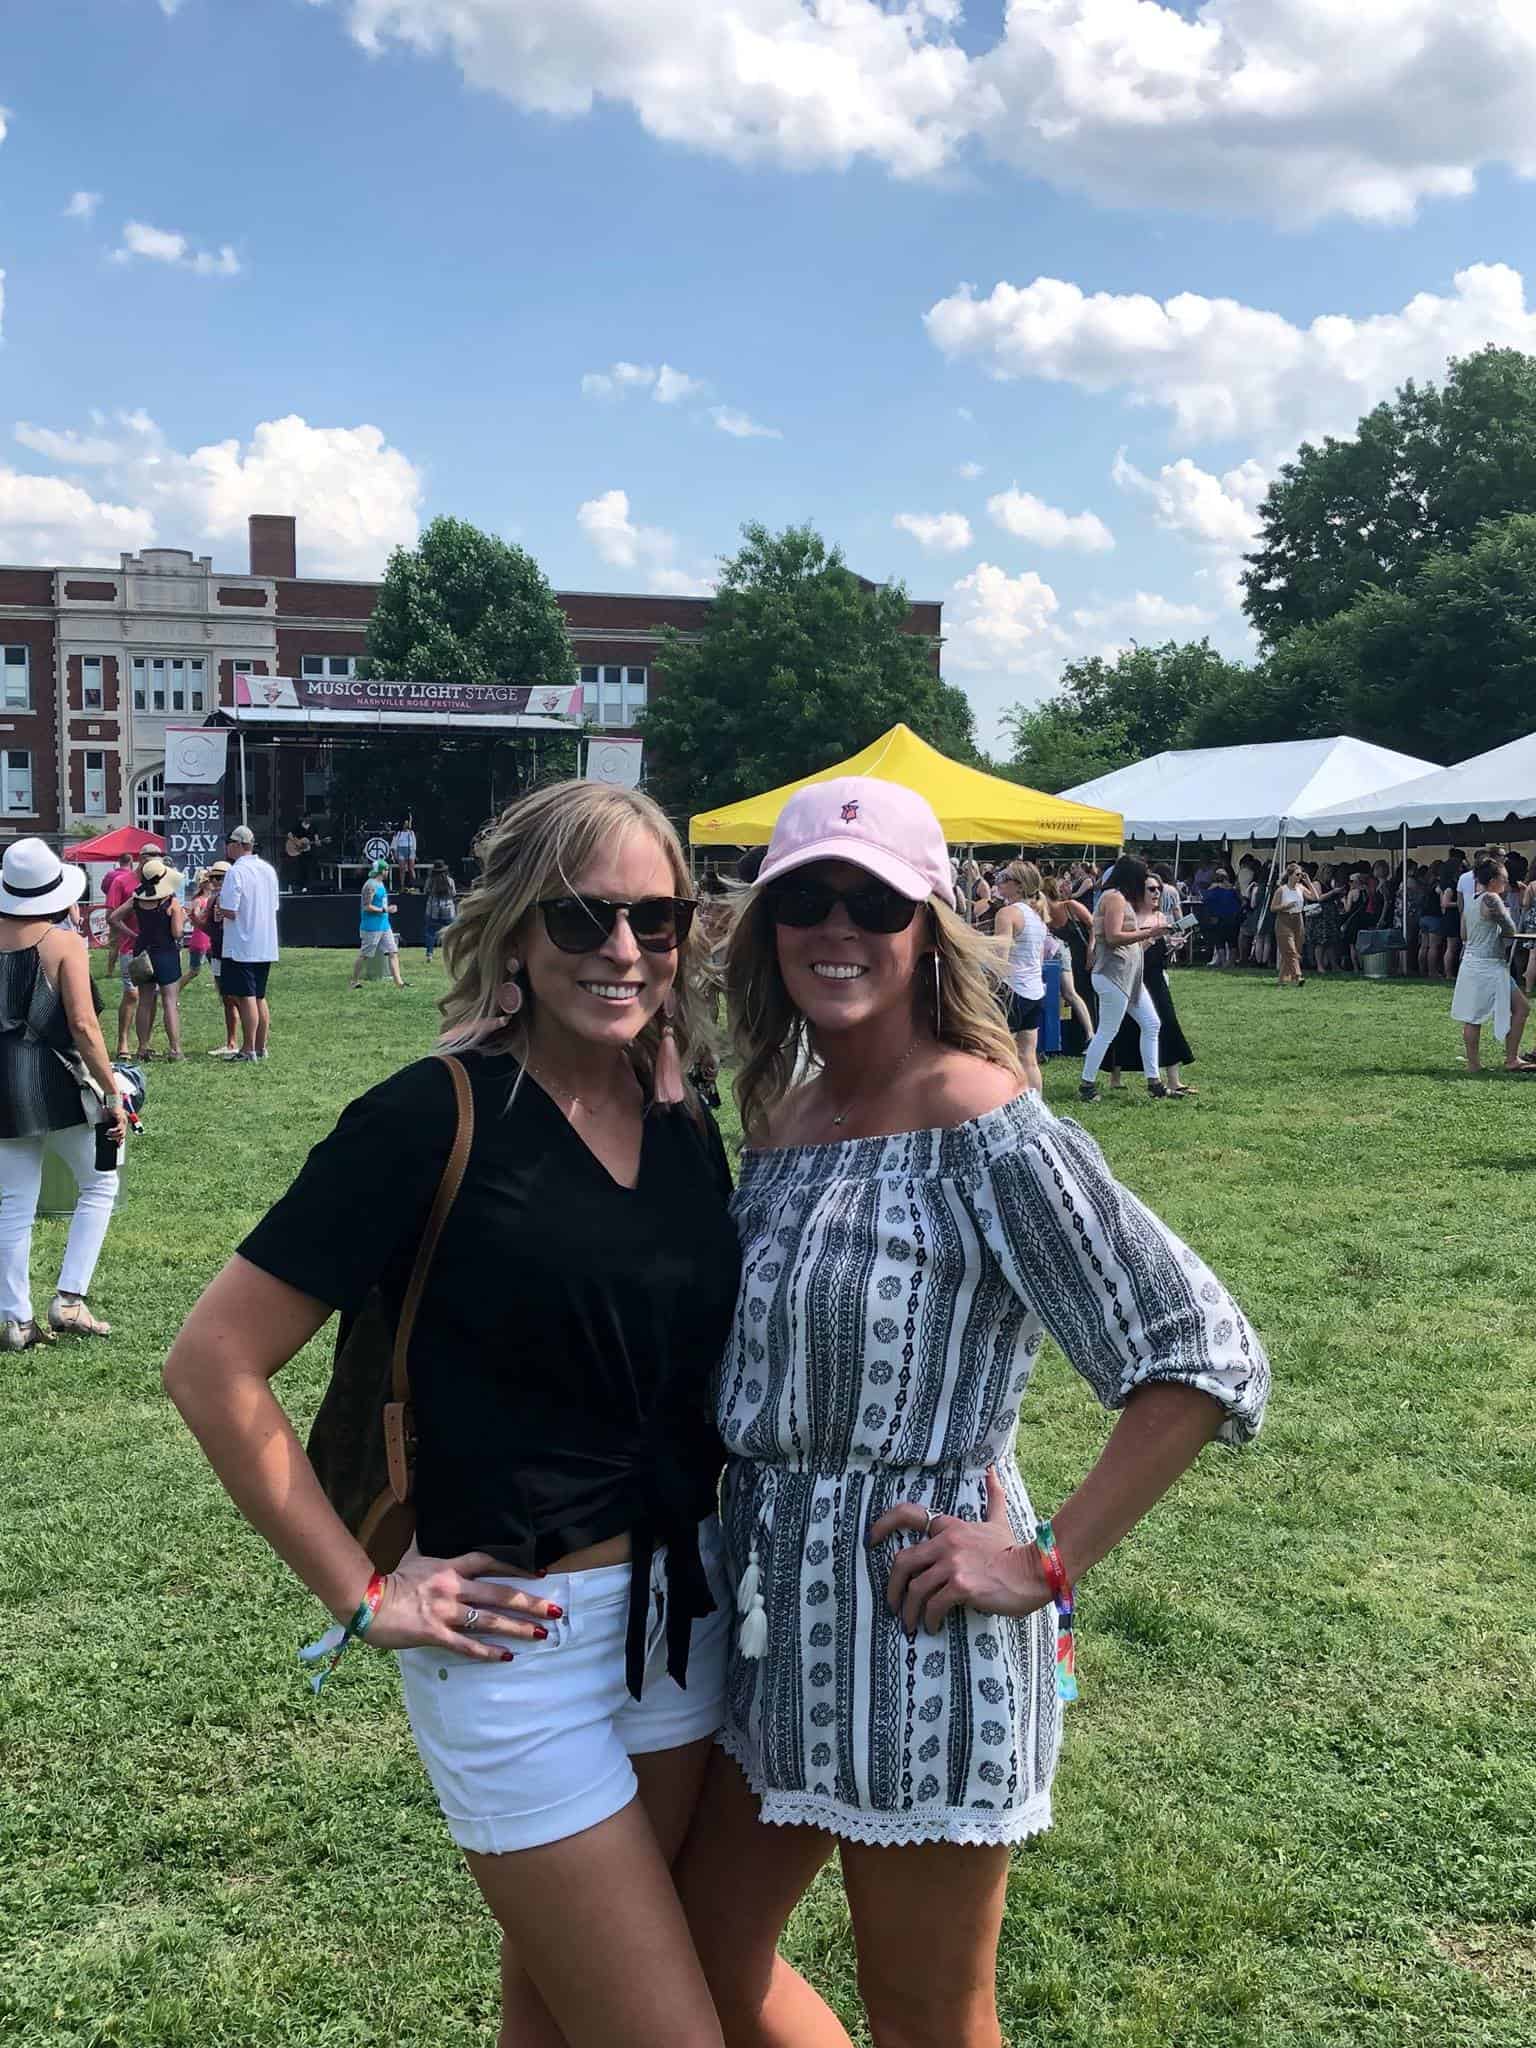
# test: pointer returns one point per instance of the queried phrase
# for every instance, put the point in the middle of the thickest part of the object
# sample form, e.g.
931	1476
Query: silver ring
471	1620
928	1525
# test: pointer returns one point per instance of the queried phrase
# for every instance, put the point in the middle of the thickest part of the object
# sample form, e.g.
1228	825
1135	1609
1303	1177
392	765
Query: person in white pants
52	1060
1116	965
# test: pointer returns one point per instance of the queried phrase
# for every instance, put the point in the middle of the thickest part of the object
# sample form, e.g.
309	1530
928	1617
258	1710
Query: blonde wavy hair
539	847
771	1039
1025	877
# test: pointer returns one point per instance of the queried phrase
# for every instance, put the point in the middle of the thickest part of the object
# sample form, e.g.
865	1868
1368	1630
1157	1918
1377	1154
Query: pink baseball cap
879	826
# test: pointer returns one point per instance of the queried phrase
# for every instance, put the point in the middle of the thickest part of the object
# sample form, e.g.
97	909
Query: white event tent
1252	792
1495	792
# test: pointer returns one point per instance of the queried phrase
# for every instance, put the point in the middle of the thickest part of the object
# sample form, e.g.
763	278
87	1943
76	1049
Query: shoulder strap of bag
447	1193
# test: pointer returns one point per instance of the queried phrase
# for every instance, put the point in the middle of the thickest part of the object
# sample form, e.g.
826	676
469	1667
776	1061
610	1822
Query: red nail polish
506	1656
553	1612
541	1634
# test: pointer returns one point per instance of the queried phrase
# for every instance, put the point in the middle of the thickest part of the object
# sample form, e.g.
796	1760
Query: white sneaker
223	1052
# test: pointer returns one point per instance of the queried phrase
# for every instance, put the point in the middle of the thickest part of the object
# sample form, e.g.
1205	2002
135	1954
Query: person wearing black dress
1173	1048
561	1618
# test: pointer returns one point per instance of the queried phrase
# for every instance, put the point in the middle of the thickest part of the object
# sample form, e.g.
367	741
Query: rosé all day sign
390	699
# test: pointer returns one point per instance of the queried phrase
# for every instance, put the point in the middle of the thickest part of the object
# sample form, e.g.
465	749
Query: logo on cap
850	810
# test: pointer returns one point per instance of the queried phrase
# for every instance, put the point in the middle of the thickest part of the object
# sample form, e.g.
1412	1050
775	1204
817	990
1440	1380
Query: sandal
16	1336
73	1318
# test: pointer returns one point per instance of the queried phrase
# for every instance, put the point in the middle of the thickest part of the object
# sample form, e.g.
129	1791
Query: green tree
801	663
1108	713
462	607
1420	475
1053	747
465	607
1443	668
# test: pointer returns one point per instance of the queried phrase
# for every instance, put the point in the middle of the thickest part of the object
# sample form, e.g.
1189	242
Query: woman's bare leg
669	1780
928	1973
593	1929
1519	1010
1025	1041
1472	1038
1079	1008
170	1005
740	1880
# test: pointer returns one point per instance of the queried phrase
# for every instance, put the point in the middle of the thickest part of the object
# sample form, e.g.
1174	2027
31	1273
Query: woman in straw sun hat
912	1222
161	921
53	1064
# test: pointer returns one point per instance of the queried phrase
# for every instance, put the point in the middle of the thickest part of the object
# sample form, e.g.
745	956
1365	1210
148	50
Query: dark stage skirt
1172	1046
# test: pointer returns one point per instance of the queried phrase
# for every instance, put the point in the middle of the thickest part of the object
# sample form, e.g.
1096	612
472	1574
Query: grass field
1296	1805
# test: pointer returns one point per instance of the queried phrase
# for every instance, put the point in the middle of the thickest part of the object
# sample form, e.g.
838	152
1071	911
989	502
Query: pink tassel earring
667	1088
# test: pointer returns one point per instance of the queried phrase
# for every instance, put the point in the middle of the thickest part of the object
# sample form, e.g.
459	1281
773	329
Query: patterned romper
894	1294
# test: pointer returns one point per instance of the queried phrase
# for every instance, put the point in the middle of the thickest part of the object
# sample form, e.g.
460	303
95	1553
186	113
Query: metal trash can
1377	965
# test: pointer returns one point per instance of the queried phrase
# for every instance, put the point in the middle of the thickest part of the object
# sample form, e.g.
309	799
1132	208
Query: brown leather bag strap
447	1193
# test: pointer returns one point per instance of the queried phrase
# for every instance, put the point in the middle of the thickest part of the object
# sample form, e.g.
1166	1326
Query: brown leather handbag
363	1441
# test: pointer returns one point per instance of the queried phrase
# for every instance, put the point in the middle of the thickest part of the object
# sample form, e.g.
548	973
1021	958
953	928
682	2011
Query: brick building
96	662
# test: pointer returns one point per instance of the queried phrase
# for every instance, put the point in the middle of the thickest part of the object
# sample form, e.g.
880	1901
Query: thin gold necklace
843	1114
558	1088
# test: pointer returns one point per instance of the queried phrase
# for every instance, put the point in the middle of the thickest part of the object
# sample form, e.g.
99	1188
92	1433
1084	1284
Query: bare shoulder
791	1119
958	1086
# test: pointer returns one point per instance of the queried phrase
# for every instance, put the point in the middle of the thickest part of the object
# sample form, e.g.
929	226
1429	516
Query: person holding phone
1120	938
1293	893
57	1087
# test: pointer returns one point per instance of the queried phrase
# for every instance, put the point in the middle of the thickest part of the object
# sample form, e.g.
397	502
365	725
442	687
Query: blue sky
329	259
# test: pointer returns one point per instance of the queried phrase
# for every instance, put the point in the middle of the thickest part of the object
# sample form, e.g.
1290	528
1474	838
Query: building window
613	695
95	785
17	780
90	682
167	685
335	667
18	681
149	803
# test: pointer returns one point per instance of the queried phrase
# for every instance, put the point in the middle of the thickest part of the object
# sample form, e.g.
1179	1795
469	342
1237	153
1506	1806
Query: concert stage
333	920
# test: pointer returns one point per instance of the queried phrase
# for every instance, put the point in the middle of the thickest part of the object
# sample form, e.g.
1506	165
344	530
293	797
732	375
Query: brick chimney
274	545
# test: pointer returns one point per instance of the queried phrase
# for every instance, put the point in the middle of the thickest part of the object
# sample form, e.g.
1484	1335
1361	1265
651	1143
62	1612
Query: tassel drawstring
753	1637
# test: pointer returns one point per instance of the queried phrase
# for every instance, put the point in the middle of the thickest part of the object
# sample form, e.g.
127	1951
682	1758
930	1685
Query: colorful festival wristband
335	1643
1061	1594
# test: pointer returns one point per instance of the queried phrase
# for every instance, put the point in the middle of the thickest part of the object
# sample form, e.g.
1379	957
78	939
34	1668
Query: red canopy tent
113	845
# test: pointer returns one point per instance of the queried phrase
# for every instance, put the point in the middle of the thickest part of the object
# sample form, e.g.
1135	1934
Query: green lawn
1296	1803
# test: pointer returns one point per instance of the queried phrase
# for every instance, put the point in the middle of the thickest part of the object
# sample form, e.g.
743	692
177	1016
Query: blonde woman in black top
566	1577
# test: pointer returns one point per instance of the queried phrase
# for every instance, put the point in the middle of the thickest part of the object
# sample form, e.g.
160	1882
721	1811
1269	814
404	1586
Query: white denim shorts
537	1750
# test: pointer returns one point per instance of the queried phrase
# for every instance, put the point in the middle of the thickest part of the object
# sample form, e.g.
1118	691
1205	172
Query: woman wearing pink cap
912	1223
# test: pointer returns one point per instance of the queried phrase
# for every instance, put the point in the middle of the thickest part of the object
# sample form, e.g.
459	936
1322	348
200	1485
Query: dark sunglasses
874	907
580	924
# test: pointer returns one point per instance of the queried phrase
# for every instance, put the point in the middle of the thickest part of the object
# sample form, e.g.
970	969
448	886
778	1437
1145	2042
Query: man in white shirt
248	913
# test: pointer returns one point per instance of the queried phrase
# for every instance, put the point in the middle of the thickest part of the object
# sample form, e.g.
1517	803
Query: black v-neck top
561	1358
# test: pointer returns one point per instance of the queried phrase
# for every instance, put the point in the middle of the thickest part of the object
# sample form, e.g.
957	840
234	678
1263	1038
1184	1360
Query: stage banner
195	759
396	699
615	761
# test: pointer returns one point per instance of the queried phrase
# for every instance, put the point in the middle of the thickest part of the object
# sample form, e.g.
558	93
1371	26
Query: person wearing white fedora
160	921
53	1064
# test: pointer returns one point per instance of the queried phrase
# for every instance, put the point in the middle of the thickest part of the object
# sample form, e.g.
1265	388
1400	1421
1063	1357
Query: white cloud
1029	518
970	471
87	451
166	245
739	424
1221	367
82	206
1218	515
943	533
49	519
624	544
1145	612
807	85
1006	624
354	496
1291	109
666	385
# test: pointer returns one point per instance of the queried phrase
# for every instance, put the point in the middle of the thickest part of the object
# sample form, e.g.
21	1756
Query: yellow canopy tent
974	809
